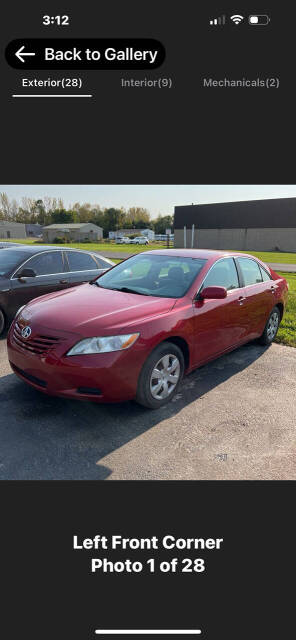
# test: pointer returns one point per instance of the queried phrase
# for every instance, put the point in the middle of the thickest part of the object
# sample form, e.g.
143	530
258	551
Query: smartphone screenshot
147	320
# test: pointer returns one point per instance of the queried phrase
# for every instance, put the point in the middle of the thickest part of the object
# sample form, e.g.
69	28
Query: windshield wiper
124	289
128	290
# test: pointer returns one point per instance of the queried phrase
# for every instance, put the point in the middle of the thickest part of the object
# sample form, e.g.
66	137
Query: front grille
24	374
40	344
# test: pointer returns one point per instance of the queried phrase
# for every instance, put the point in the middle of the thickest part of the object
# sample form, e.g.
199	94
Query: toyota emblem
26	332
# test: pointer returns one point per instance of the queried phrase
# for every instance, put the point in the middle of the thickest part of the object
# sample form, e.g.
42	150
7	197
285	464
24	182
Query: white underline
179	632
51	95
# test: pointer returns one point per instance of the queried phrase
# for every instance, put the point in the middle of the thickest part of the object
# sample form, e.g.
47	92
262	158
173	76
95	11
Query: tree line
53	211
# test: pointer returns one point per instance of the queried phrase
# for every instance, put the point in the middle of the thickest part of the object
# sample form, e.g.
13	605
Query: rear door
259	292
50	276
219	324
82	267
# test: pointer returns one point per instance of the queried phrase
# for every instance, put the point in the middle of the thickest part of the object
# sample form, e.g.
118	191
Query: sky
158	199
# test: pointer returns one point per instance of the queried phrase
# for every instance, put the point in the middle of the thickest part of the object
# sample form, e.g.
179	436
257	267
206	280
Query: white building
73	232
12	229
148	233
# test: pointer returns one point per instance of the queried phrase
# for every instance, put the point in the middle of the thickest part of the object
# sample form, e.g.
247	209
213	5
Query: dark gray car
27	272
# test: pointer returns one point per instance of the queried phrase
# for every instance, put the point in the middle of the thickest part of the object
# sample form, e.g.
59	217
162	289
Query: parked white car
123	240
140	240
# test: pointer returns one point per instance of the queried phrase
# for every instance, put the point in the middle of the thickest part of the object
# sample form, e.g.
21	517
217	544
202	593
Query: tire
154	391
2	322
271	327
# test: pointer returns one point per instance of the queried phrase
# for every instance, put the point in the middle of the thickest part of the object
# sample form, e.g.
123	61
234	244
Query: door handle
63	281
241	300
273	289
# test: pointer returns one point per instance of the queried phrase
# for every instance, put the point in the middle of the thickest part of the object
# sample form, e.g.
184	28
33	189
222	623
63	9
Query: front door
219	324
50	276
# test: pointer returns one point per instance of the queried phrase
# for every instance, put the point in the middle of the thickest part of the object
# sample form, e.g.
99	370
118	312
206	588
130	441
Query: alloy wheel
272	326
165	376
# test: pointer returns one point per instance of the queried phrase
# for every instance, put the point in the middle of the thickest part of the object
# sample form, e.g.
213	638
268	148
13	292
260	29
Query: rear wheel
2	322
271	327
161	376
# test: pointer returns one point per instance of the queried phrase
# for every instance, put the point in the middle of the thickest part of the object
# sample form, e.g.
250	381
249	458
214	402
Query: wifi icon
237	19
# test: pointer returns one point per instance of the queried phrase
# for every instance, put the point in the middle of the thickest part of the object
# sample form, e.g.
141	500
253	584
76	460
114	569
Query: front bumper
106	377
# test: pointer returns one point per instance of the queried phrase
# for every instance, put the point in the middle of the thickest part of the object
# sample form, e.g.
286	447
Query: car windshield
10	258
153	275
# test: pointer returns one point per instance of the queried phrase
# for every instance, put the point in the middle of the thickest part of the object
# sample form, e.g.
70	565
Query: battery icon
259	20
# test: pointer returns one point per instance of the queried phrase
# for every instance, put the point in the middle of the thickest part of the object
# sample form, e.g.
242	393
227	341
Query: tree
6	208
113	219
24	216
61	215
138	216
40	212
161	223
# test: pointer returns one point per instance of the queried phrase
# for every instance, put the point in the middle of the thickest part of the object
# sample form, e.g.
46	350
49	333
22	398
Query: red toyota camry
136	329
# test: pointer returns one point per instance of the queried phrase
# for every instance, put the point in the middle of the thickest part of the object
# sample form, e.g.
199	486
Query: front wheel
161	375
271	327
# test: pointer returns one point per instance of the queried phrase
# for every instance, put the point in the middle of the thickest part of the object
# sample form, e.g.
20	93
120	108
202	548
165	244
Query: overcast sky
157	198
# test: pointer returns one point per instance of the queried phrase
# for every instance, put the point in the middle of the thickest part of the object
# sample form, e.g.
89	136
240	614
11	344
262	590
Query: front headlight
103	345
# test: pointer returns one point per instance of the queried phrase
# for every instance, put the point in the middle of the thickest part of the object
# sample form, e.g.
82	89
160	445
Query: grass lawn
287	331
266	256
99	246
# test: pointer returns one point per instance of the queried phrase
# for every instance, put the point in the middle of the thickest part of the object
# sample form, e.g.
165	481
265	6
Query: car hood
88	309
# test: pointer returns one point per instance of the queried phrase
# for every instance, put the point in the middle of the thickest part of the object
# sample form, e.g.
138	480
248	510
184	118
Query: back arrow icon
20	53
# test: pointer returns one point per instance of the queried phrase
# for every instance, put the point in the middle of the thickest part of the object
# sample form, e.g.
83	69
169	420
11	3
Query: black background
246	591
187	134
183	135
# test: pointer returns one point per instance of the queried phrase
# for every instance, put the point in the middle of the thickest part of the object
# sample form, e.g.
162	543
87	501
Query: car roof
38	249
8	244
29	247
204	254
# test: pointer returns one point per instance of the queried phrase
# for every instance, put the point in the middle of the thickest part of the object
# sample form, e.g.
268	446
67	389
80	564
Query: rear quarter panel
282	289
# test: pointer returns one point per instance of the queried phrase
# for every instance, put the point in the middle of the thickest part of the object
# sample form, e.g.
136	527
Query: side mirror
215	293
26	273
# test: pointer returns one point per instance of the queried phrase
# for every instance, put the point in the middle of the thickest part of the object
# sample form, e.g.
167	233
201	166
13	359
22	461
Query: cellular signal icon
218	21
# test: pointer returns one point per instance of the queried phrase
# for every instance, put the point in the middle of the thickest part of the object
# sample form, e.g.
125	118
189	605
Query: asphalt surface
286	268
233	419
115	255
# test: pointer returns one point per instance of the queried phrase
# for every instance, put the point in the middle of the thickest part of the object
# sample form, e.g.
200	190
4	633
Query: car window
9	260
222	274
46	263
250	270
265	275
81	261
103	264
154	275
135	269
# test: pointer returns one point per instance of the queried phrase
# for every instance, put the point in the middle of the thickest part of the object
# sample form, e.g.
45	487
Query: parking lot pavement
233	419
285	268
